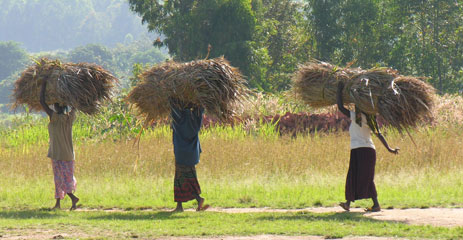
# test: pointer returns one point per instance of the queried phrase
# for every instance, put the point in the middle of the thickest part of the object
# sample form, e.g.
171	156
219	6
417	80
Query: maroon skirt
360	177
186	185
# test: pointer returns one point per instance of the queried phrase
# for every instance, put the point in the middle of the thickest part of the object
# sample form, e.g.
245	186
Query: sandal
373	209
344	206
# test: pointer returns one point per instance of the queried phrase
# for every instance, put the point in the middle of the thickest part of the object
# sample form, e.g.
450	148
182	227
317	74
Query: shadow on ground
332	217
139	216
28	214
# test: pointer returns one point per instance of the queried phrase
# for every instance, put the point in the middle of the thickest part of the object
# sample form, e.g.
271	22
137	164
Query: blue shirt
186	123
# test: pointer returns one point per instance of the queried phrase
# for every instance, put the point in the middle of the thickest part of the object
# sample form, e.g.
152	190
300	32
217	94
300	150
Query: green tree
324	24
282	32
93	53
12	60
190	26
431	40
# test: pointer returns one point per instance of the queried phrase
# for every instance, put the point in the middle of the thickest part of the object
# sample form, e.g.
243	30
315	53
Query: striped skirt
186	185
360	178
65	182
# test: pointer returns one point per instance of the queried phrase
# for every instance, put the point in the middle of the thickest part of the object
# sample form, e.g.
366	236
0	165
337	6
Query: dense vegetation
268	38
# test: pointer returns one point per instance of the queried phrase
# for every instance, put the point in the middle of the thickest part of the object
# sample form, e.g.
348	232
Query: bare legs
74	200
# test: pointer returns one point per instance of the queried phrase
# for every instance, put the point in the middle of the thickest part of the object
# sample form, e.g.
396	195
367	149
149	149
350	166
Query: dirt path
444	217
273	237
47	236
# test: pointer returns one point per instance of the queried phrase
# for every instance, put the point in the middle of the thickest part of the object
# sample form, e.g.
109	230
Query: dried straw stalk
400	100
83	86
212	84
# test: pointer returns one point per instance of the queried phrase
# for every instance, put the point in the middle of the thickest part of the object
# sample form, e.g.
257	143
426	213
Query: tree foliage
266	39
191	26
417	37
12	59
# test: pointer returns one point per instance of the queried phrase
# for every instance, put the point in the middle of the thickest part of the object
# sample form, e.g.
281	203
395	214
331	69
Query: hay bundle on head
400	100
83	86
212	84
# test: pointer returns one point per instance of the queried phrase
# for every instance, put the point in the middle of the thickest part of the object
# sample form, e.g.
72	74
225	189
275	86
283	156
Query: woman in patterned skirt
360	177
186	123
61	151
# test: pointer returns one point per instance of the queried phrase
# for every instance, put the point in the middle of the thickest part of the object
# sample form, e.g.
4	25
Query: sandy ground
44	235
444	217
273	237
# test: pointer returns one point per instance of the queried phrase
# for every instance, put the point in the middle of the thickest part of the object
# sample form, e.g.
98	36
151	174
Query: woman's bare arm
339	100
383	140
42	99
374	126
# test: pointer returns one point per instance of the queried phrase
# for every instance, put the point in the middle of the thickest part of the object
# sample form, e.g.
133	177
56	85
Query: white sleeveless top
360	136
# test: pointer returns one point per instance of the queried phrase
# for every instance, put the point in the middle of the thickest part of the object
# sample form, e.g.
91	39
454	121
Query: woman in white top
61	151
360	177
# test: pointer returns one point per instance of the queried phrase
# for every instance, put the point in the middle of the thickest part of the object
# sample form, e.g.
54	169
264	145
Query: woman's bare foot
179	207
373	209
345	206
201	206
178	210
57	205
75	200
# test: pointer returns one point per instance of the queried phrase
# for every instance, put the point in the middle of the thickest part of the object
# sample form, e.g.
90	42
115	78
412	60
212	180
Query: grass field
237	169
139	224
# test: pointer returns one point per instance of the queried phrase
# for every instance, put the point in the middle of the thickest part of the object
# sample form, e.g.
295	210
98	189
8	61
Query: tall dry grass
231	153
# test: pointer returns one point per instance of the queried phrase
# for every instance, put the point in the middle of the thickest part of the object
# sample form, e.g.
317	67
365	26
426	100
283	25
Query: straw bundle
402	101
212	84
83	85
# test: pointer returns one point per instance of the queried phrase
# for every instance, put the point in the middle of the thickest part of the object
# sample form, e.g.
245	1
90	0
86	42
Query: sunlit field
238	168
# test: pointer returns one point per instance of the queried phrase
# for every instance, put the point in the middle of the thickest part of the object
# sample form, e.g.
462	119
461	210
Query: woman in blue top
186	123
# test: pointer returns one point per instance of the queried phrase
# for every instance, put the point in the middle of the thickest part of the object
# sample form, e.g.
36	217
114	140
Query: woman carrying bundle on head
61	151
360	177
186	123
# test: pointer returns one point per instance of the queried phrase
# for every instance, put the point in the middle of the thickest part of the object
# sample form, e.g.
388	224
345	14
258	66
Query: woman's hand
394	151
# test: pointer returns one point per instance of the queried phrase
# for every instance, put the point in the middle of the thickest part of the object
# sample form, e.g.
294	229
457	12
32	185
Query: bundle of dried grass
401	101
213	84
83	86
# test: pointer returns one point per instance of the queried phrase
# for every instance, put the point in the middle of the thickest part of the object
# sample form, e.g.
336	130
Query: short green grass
147	224
275	192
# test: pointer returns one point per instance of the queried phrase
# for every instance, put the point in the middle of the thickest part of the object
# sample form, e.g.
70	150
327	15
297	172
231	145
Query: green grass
149	224
276	192
245	166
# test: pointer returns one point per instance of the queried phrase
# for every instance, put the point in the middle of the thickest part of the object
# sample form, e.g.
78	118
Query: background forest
266	39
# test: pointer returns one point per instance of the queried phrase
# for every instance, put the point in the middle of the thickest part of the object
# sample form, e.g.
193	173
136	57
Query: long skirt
360	178
65	182
186	185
